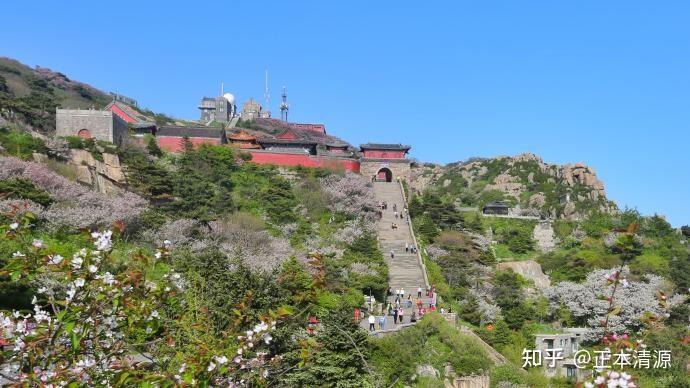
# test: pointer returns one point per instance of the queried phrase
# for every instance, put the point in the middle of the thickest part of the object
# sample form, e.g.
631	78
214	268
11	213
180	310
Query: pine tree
153	148
469	312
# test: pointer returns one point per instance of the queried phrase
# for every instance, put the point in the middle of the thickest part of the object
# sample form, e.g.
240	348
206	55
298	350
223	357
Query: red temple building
137	121
171	138
320	128
385	162
384	151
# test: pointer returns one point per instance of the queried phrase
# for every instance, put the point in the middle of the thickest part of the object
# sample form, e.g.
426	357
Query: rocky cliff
526	182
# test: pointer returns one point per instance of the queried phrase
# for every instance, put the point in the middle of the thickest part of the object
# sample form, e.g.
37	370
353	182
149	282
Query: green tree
502	334
510	298
145	176
152	147
337	356
680	272
656	226
469	311
24	189
519	240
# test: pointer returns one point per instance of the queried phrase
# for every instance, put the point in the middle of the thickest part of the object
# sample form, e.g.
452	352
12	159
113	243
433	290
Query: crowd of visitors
403	305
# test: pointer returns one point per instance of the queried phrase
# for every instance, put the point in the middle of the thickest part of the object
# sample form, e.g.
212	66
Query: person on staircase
401	315
372	322
407	247
395	315
419	292
392	254
382	322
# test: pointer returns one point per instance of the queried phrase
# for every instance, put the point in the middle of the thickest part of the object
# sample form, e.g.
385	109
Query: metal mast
267	97
284	107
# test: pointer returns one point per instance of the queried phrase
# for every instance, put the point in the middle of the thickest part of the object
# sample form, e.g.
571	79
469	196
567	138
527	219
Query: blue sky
602	82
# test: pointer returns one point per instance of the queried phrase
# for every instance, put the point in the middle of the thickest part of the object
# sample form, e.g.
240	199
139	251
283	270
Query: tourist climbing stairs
405	269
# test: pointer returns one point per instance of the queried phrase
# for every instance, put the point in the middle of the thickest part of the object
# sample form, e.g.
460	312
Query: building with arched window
385	162
90	124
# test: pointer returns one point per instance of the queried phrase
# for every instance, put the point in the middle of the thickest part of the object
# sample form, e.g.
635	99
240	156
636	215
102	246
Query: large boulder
82	157
427	370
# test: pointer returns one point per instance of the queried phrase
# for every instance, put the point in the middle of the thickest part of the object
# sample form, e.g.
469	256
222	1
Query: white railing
414	239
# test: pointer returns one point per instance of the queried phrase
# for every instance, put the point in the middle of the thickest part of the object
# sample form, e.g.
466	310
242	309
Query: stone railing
414	238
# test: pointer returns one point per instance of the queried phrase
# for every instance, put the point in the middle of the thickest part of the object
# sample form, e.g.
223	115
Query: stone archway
384	174
84	134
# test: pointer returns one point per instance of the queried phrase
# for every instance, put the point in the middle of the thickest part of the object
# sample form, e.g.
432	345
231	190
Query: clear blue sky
602	82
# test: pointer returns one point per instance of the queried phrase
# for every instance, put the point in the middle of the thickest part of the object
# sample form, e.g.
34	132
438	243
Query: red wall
384	154
122	114
311	127
176	144
303	160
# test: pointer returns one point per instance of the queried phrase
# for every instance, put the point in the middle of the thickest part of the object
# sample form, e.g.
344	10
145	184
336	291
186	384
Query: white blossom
54	259
77	262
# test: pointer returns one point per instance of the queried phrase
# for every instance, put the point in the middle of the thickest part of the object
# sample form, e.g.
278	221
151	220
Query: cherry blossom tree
91	325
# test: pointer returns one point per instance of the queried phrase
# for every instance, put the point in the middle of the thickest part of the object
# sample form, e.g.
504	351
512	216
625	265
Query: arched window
84	134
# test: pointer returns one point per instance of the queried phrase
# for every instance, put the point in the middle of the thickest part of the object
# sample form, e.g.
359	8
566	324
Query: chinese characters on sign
600	359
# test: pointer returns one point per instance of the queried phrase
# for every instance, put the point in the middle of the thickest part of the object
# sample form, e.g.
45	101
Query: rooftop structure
496	207
384	151
124	99
137	121
251	110
243	140
221	108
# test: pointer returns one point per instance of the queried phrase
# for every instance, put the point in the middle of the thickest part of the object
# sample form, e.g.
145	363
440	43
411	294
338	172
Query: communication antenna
222	88
284	107
267	95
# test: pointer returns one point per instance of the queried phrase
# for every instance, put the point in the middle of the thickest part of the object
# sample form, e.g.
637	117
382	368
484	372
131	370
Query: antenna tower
284	107
267	96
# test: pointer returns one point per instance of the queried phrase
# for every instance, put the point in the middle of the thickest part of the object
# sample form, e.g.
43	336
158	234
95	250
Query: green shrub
327	300
519	240
20	144
74	142
431	341
24	189
563	229
597	224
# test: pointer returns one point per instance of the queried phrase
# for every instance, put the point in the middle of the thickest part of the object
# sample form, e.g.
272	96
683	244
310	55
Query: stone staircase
544	236
233	122
404	270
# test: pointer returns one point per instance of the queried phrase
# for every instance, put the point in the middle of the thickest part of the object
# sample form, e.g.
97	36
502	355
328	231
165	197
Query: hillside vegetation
524	182
203	269
29	96
595	247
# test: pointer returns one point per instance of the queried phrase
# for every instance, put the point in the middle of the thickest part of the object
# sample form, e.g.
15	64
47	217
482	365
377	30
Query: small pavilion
243	140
